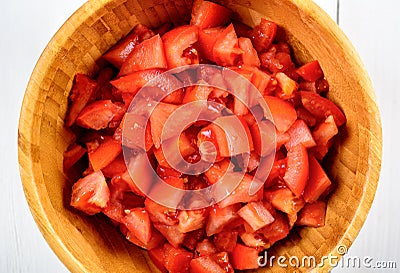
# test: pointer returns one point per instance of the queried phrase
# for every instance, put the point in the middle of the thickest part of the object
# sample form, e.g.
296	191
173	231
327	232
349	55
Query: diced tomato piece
321	107
197	93
139	170
171	233
300	133
175	97
207	14
217	171
242	193
106	153
176	41
190	220
281	139
132	83
164	28
158	118
263	137
250	56
254	240
177	260
284	200
283	113
226	51
306	116
278	230
296	174
276	61
243	257
311	71
160	214
264	34
277	171
90	194
116	167
256	215
254	162
118	53
325	131
215	134
205	264
242	30
192	238
225	240
318	181
157	256
287	85
149	54
260	79
82	91
205	248
207	39
72	155
137	221
164	172
220	217
99	114
312	215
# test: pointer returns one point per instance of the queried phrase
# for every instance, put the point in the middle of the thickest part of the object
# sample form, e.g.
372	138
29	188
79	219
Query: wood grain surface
29	26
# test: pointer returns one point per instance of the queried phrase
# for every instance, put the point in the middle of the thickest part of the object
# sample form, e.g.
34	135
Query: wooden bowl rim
28	175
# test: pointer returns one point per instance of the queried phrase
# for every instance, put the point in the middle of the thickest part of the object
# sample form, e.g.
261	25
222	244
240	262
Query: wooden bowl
92	244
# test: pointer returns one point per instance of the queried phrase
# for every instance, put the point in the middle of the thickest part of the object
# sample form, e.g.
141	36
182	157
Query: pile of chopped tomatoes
229	235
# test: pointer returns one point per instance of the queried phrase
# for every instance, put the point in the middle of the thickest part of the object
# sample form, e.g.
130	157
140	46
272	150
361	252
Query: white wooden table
26	27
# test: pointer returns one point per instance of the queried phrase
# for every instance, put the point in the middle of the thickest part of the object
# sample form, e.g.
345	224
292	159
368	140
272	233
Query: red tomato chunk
229	235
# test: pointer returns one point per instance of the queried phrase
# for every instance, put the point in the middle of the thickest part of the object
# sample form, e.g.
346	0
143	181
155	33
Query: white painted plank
373	27
329	6
26	28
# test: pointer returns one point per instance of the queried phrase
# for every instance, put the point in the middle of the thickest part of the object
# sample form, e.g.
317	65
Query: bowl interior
91	243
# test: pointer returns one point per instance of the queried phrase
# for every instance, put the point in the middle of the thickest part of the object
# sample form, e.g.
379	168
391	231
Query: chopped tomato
226	50
157	256
90	194
250	56
137	221
263	137
176	41
243	257
225	240
287	85
283	113
214	134
205	248
306	116
197	93
190	220
207	14
312	215
254	240
300	133
82	91
318	181
72	155
207	39
242	193
325	131
277	230
321	107
171	233
160	214
164	28
220	217
116	167
256	215
296	174
177	260
149	54
217	171
118	53
284	200
105	154
242	30
99	114
264	34
205	264
158	118
311	71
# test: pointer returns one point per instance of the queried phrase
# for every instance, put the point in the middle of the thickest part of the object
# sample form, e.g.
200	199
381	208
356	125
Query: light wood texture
89	244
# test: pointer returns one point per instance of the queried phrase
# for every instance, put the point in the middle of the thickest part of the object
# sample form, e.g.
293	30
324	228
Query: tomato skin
250	56
72	155
118	53
90	194
99	114
176	41
158	119
318	181
312	215
157	256
116	167
311	71
105	154
138	222
296	174
261	134
321	107
149	54
207	14
256	215
283	113
284	200
325	131
220	217
82	91
226	51
207	39
197	93
300	133
264	34
243	257
177	260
